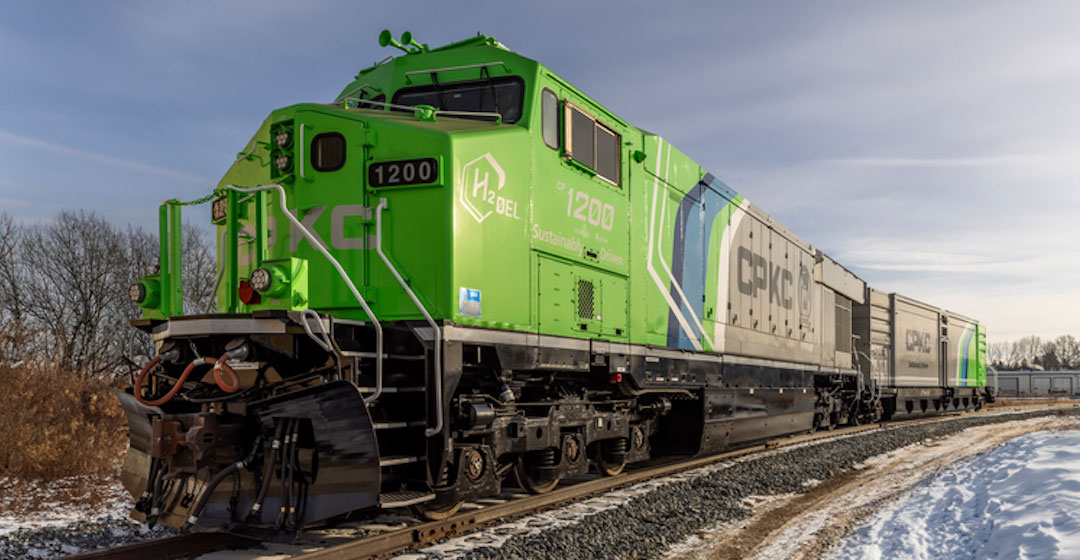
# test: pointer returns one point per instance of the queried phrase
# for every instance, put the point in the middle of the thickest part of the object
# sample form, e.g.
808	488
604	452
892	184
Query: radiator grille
585	307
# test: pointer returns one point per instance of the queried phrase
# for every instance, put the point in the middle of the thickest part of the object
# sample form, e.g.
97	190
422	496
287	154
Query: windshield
498	95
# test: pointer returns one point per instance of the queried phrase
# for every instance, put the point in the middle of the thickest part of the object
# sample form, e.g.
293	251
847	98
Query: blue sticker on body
469	302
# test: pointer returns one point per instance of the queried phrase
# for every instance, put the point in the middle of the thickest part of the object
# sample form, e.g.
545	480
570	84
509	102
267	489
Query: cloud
101	159
975	161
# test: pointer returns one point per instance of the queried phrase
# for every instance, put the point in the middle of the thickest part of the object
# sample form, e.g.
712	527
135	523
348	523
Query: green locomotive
464	271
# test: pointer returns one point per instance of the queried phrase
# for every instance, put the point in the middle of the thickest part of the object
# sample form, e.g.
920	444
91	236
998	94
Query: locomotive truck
463	272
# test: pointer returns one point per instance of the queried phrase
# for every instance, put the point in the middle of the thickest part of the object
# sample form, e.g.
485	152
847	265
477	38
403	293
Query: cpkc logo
482	180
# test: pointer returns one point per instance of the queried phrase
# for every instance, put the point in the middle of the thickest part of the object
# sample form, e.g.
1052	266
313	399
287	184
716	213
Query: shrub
55	424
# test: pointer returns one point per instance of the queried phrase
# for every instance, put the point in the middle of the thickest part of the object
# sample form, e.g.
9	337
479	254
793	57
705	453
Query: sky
930	147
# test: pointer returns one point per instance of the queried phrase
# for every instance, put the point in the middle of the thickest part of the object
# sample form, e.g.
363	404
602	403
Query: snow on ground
1021	500
36	505
808	525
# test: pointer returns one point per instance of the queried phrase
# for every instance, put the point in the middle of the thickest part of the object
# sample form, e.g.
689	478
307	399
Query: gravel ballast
80	536
647	526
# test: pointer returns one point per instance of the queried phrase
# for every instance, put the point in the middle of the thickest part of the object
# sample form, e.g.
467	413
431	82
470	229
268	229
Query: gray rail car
910	352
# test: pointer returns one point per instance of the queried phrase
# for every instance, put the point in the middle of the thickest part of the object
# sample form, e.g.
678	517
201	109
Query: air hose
175	388
222	365
254	516
214	482
219	366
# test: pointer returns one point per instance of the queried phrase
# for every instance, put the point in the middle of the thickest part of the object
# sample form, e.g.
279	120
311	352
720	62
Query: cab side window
549	114
592	143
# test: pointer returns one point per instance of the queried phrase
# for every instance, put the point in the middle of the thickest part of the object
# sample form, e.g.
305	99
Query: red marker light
247	294
616	378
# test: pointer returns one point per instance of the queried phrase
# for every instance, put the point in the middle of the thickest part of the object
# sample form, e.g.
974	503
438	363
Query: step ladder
400	418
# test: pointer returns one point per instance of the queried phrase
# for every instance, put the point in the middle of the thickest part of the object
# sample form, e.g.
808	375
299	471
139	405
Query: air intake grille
585	306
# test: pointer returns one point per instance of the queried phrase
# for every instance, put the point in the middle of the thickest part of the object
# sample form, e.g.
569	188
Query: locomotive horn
385	38
407	39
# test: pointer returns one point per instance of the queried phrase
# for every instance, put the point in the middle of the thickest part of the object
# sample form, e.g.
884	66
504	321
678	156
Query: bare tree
140	259
998	355
1068	350
1050	357
12	313
1027	351
76	289
200	271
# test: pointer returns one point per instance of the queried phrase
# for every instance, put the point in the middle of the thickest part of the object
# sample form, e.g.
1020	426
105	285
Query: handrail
467	114
413	108
409	108
449	68
435	326
315	242
349	93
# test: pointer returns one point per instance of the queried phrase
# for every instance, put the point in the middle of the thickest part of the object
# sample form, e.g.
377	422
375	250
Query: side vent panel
574	299
585	306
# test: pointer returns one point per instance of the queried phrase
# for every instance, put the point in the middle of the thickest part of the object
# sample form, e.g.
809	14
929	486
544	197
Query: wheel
429	512
610	457
528	483
607	469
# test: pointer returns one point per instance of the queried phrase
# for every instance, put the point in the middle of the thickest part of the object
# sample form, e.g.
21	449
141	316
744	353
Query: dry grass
54	424
1033	400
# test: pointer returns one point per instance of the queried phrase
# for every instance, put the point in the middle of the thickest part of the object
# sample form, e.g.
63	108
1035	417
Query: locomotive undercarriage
295	441
307	434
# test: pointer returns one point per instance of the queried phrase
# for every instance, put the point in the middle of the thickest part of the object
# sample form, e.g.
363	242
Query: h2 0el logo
481	181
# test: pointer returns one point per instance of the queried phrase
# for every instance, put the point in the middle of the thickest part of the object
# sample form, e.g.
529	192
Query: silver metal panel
760	303
223	325
809	317
740	315
1063	385
840	279
769	222
828	326
791	315
780	292
1040	385
915	343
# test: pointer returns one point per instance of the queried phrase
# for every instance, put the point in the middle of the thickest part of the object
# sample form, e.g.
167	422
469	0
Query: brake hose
214	482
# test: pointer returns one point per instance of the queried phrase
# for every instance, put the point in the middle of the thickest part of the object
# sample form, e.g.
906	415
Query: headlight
145	293
283	162
283	138
137	292
261	279
270	280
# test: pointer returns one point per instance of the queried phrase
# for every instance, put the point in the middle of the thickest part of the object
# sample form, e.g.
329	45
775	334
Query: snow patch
28	504
1021	500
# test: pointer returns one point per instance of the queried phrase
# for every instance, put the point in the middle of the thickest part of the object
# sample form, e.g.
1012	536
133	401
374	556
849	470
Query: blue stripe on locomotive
965	340
689	256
